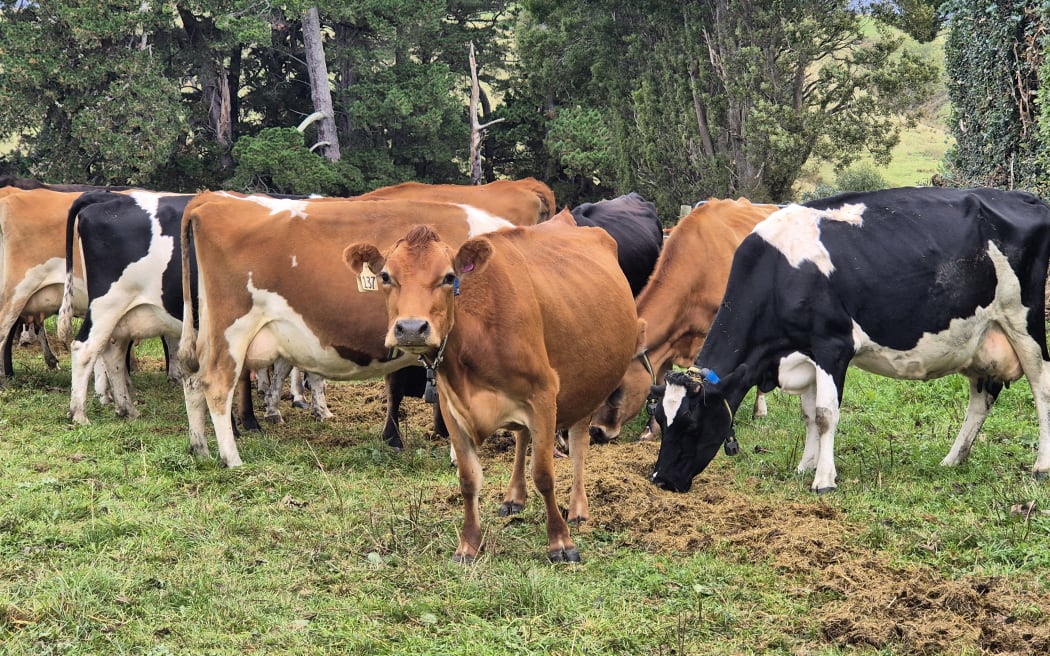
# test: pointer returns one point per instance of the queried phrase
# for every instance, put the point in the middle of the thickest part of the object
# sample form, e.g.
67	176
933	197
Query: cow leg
8	346
83	361
297	386
281	369
101	382
171	347
514	501
114	355
468	465
760	410
982	398
318	401
396	386
262	381
827	420
811	450
196	411
245	408
561	548
579	444
50	359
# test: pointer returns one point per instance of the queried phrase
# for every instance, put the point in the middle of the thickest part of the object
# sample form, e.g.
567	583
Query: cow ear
657	391
357	255
566	217
473	256
643	327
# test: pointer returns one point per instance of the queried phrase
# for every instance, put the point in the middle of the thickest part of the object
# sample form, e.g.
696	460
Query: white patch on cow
295	262
796	373
481	222
673	397
147	200
795	232
297	208
272	328
983	343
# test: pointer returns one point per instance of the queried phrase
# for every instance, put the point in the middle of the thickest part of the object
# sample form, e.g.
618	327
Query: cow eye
384	278
449	279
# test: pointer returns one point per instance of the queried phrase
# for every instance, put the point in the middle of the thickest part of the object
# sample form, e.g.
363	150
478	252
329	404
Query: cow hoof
576	521
463	559
302	405
276	419
510	508
323	416
564	555
825	490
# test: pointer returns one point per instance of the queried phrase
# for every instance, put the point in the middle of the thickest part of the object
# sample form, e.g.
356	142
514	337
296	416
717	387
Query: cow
527	329
268	289
131	252
132	266
635	226
31	251
679	303
522	202
32	330
912	283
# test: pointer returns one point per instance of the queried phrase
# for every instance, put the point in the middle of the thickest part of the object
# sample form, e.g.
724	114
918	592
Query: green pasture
114	540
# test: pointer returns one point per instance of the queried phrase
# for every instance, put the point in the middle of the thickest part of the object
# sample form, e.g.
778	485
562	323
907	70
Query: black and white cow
633	222
912	283
133	271
134	286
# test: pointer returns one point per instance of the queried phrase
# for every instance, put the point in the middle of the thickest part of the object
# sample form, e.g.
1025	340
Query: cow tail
188	341
65	311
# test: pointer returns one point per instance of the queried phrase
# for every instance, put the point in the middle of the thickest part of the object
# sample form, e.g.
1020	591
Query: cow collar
430	392
705	375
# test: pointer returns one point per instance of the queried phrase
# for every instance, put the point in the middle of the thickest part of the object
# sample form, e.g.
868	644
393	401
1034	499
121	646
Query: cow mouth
669	485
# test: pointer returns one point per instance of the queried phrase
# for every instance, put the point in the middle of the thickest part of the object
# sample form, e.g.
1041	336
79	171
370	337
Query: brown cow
537	336
270	286
522	202
680	301
32	229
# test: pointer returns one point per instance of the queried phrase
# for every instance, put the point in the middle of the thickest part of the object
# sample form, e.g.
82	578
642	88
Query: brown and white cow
522	202
272	284
680	301
527	329
32	251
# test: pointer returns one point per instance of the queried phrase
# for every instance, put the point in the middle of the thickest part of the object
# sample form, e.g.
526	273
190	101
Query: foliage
860	177
157	95
994	60
277	160
718	99
922	19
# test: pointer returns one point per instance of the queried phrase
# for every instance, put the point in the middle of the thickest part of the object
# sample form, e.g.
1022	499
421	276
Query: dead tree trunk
320	89
477	132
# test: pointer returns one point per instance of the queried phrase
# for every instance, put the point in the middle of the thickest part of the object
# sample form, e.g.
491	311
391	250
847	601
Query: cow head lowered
421	312
695	419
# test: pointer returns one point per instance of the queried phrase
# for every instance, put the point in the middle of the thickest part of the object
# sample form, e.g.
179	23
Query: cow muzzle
412	333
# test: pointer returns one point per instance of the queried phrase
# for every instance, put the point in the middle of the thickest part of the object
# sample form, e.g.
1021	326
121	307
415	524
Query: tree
995	61
712	98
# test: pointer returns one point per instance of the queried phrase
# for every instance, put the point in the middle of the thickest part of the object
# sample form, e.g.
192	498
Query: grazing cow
522	202
680	302
635	226
526	329
910	283
268	288
31	251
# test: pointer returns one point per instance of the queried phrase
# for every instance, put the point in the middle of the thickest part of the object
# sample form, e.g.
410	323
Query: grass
114	540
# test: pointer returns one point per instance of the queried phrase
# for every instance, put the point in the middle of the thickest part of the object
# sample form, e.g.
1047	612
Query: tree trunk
320	89
477	132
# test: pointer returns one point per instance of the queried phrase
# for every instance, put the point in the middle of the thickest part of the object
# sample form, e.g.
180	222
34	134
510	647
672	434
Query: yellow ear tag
366	281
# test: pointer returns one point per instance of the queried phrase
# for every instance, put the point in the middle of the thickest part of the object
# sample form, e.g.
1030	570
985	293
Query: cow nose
598	435
411	332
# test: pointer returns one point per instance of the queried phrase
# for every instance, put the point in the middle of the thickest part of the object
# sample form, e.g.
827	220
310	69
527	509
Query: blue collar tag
455	287
711	377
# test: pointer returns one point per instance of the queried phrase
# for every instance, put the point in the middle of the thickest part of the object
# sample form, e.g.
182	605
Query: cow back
522	202
634	224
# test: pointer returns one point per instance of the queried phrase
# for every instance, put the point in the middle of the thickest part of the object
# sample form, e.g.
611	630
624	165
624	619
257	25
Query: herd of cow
513	317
